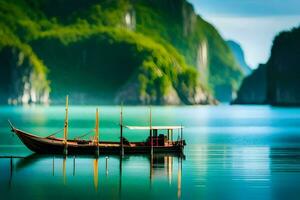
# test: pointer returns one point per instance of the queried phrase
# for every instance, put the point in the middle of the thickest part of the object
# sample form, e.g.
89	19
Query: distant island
111	51
276	82
240	56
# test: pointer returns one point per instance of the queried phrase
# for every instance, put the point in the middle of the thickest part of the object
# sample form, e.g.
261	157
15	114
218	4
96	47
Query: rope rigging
76	138
55	133
81	136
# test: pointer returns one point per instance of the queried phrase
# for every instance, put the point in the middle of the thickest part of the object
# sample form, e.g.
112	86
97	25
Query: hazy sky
252	23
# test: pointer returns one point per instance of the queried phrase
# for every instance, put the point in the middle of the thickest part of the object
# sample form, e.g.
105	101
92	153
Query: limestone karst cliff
112	51
276	82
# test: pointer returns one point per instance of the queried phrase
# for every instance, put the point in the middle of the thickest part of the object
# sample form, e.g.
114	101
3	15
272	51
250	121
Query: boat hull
57	146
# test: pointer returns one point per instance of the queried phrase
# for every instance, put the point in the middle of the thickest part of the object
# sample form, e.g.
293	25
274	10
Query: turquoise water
232	152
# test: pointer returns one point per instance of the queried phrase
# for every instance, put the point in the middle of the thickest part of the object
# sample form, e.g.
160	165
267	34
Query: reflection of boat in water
160	140
161	164
64	168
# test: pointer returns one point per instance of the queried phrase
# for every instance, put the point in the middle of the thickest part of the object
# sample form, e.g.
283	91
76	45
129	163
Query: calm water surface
232	152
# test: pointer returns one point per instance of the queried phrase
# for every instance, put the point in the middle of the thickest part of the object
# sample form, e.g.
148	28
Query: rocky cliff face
106	51
283	71
277	82
254	88
21	83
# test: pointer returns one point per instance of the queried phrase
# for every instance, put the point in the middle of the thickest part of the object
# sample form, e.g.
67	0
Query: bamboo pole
181	133
121	131
151	136
97	125
64	170
66	127
120	177
97	132
106	165
96	174
11	170
74	165
53	166
179	174
151	169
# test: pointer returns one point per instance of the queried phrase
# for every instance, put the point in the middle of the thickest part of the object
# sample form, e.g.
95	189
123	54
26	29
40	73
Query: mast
121	130
97	132
66	127
151	136
97	125
181	139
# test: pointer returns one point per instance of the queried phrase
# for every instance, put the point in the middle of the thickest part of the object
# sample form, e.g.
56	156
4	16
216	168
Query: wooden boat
154	144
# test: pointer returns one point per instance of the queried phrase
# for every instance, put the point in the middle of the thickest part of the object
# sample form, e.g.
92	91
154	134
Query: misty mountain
239	55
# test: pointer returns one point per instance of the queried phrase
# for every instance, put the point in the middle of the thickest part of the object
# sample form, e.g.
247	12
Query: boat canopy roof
153	127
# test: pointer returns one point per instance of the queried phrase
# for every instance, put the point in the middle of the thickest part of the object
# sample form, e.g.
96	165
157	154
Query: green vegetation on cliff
141	51
277	81
283	69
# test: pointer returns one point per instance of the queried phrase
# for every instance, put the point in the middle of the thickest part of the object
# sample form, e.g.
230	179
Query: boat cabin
160	135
